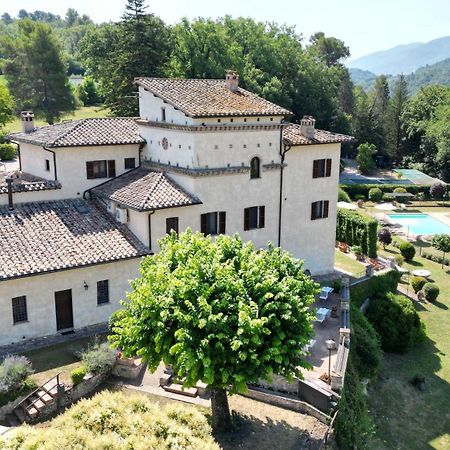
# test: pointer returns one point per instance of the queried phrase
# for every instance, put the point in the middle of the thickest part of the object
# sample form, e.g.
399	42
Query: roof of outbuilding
209	98
26	182
144	190
292	136
84	132
44	237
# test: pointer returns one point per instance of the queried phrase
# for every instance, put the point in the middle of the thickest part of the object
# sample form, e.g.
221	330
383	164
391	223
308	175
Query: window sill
21	322
103	304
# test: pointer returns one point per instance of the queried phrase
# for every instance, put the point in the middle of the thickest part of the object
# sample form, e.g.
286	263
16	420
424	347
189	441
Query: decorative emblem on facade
165	143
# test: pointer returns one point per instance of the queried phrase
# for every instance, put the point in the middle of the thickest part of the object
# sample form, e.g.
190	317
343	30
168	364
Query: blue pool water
420	223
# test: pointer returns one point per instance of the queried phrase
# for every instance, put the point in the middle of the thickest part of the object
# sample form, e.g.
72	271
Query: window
213	223
47	165
163	114
254	167
319	210
100	169
171	224
321	168
130	163
254	217
102	292
19	309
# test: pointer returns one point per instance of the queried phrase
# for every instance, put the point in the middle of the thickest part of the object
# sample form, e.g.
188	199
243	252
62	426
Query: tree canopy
219	312
6	105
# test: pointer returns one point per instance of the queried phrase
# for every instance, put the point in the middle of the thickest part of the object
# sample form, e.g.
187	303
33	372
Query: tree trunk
221	417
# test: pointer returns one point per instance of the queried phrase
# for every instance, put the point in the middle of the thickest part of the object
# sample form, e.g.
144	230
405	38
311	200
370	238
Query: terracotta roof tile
293	136
26	182
205	98
44	237
143	189
84	132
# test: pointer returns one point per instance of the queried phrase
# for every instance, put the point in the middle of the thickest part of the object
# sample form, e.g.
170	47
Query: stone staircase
30	407
170	384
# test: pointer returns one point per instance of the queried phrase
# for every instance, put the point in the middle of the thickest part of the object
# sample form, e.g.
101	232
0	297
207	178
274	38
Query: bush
399	260
78	374
385	236
437	191
343	196
364	157
99	359
337	284
13	372
431	291
417	283
358	196
407	250
436	258
375	194
357	250
400	190
396	321
7	152
387	198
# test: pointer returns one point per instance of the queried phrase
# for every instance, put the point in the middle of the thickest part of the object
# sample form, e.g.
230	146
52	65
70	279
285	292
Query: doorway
64	311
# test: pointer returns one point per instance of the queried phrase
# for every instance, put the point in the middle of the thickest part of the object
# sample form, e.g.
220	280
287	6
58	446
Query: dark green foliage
6	105
7	152
417	283
343	196
87	92
431	291
396	321
385	236
387	198
364	158
400	190
355	229
407	250
375	194
437	191
78	374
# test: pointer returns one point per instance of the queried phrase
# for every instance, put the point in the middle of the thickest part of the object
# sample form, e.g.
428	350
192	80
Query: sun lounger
325	292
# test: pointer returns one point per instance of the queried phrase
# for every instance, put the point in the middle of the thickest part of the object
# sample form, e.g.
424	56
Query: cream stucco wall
39	291
33	196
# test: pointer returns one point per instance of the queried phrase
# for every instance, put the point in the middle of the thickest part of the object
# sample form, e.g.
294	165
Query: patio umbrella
346	205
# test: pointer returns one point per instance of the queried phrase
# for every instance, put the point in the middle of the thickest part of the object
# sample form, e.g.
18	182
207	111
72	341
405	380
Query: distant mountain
404	58
363	78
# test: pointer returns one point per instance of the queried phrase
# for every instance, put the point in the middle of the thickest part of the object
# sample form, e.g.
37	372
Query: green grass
81	113
347	264
406	418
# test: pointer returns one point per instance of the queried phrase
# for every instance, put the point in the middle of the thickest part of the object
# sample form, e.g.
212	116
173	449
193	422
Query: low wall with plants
357	230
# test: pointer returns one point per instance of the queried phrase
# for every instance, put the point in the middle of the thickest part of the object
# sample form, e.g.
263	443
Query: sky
364	25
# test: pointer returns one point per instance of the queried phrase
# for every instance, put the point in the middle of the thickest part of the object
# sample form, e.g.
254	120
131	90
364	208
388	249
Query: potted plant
357	250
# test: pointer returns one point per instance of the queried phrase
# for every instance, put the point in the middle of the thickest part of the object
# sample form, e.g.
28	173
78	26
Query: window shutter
111	168
316	168
246	219
328	170
262	217
89	170
326	205
203	222
313	211
222	221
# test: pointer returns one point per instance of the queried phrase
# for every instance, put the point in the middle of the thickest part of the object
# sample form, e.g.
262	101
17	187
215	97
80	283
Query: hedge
355	229
363	189
7	152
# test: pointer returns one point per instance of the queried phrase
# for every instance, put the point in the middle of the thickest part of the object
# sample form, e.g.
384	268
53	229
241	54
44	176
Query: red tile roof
292	136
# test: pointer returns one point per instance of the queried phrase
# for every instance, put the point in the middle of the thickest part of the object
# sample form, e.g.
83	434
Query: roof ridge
150	192
77	123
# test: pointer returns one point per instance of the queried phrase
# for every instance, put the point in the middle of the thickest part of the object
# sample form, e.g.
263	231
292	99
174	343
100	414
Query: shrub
387	198
385	236
400	190
417	283
441	242
396	321
337	284
431	291
13	372
78	374
407	250
436	258
377	285
7	152
358	196
399	260
99	359
364	157
375	194
343	196
357	250
437	191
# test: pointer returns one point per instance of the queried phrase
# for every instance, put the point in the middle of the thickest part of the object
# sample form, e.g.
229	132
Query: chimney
308	126
27	121
232	80
9	183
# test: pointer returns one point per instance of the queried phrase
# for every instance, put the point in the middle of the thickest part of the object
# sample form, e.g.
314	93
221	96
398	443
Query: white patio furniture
322	314
422	273
325	292
309	346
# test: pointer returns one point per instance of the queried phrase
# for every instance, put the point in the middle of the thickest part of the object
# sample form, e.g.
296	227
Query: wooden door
64	311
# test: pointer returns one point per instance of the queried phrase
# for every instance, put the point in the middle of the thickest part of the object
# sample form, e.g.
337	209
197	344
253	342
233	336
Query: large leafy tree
331	50
6	105
441	242
115	54
36	73
220	312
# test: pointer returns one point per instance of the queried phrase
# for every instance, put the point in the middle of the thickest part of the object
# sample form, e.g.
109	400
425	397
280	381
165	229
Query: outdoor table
324	292
421	273
322	314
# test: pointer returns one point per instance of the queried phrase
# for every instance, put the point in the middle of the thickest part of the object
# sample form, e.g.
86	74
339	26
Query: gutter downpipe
283	150
18	153
54	160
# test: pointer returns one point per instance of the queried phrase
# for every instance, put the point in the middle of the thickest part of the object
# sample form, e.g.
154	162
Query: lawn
81	113
406	418
346	263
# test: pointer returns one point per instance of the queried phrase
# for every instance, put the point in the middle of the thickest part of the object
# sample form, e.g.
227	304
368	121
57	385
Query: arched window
255	167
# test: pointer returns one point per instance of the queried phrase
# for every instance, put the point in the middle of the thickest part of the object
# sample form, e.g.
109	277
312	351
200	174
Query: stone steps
180	390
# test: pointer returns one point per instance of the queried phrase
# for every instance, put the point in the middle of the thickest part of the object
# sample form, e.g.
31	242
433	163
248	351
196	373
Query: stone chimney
308	126
27	121
232	80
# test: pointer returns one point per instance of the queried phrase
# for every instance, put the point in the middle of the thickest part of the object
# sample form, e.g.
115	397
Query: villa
94	196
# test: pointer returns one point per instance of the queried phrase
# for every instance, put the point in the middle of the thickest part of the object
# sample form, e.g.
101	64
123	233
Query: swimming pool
420	223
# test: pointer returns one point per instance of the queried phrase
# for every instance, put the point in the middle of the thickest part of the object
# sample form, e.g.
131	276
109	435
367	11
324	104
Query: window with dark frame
19	309
172	224
254	217
321	168
319	210
102	292
255	168
47	165
130	163
163	114
100	169
213	223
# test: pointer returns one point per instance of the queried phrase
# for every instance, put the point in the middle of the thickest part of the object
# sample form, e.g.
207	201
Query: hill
404	58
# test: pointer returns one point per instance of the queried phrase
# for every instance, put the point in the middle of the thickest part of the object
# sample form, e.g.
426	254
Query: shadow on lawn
252	433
